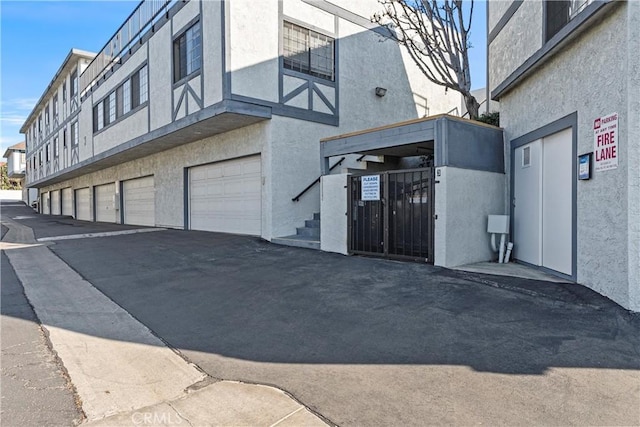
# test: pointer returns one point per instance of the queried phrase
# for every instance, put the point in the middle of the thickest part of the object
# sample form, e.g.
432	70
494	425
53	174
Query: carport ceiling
408	150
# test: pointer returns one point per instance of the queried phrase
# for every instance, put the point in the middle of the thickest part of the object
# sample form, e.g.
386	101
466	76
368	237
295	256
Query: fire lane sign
605	142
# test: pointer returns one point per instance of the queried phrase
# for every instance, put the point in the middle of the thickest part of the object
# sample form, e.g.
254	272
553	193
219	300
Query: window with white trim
308	51
75	138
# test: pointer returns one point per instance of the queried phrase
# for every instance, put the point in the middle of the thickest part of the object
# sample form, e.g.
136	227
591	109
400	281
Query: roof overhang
453	141
216	119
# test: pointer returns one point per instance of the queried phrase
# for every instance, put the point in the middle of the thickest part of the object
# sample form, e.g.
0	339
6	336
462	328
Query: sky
36	36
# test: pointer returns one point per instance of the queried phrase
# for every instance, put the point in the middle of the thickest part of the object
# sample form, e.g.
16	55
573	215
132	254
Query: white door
527	218
55	202
557	204
46	203
139	201
105	203
67	201
227	196
543	204
83	204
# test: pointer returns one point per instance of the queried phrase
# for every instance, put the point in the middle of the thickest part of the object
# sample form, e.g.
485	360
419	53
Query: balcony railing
140	20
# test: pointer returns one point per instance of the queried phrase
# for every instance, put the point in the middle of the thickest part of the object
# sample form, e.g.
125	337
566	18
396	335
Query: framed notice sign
584	166
370	187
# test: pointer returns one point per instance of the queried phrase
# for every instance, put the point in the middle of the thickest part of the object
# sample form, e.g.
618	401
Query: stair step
312	223
309	232
297	241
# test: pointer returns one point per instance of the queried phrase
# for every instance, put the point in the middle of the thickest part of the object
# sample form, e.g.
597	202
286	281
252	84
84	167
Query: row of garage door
223	197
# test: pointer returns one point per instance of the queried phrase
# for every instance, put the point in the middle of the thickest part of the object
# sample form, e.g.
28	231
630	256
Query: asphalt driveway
365	341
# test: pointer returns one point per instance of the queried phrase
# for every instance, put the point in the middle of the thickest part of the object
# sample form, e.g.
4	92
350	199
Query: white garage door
226	196
55	202
83	204
139	201
46	203
105	207
67	201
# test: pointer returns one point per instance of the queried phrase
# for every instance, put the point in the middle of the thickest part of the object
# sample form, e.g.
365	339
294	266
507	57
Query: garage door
55	202
67	201
105	207
138	197
83	205
46	206
226	196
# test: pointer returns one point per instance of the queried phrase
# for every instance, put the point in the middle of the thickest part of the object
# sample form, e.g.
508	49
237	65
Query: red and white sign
605	142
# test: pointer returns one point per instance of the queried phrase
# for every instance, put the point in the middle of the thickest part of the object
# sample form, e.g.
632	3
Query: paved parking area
365	341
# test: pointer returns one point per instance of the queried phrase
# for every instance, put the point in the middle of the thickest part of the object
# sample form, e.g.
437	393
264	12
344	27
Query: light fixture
381	91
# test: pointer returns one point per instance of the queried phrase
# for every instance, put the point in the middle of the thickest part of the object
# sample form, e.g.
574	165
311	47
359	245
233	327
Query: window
75	138
64	92
526	157
73	86
55	105
56	147
144	87
64	138
40	158
187	53
558	13
47	152
100	117
308	52
138	85
126	97
46	116
110	108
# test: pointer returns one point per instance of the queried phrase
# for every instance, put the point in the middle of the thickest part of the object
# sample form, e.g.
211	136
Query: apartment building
567	76
207	115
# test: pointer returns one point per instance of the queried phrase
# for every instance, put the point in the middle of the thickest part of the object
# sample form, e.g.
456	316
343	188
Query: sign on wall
370	187
605	142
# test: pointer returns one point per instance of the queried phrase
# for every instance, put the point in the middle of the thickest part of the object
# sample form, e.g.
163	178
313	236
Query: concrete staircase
305	237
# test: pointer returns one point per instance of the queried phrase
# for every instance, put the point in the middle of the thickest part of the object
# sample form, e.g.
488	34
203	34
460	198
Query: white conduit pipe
509	249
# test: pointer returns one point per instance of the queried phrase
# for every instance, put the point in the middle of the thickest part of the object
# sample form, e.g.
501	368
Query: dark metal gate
400	223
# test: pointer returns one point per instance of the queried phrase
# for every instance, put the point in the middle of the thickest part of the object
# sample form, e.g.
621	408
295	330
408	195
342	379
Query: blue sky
36	36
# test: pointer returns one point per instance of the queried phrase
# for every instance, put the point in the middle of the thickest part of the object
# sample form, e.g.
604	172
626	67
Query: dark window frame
183	58
308	60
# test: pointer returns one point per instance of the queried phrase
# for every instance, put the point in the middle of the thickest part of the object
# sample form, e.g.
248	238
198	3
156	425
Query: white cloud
13	119
19	104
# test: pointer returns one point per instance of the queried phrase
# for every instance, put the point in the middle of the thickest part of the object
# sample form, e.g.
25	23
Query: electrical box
498	224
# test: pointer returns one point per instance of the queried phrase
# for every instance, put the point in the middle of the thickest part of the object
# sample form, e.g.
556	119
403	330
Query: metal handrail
141	18
297	198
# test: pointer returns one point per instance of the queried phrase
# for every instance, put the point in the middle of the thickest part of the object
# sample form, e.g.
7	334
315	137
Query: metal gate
399	224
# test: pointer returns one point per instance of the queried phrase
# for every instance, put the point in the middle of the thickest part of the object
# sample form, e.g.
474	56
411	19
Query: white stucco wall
333	214
463	200
254	48
633	153
518	40
607	254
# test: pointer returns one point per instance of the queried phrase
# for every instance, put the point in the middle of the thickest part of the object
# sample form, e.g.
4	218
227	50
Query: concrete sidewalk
122	372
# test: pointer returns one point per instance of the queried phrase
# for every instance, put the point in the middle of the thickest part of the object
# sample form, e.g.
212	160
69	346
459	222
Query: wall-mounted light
381	91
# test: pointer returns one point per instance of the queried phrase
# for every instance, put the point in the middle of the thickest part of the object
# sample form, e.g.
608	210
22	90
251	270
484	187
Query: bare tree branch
435	34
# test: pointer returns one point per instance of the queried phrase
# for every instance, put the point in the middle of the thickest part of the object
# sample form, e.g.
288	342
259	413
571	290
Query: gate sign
370	187
605	143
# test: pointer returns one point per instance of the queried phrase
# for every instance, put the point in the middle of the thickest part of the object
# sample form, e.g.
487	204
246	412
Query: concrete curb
223	403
